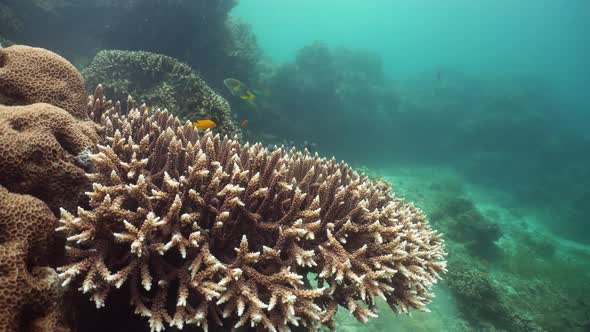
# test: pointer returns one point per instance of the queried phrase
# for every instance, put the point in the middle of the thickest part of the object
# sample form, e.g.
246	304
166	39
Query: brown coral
31	75
43	152
204	230
29	298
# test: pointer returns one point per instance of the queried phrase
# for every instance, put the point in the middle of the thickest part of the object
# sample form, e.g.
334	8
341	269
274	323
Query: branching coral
205	230
160	81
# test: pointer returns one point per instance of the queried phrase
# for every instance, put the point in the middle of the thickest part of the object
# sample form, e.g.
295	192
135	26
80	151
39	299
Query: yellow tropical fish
204	124
239	89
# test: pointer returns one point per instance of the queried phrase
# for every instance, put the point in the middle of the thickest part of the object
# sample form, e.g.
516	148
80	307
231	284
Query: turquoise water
544	38
515	76
477	112
465	51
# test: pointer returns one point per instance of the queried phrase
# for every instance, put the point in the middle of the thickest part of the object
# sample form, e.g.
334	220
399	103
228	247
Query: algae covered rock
161	82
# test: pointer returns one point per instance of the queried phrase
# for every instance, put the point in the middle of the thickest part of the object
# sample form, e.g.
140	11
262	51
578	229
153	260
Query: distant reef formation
159	81
342	87
197	32
183	227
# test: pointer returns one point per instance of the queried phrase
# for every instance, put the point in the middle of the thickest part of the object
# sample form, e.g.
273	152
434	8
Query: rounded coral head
30	75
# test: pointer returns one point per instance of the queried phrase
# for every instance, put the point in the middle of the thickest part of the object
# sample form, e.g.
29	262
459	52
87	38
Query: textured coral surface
31	75
206	230
29	297
42	153
162	82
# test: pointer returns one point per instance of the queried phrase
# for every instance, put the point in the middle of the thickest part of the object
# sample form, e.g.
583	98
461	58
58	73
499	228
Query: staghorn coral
159	81
43	152
205	230
29	290
31	75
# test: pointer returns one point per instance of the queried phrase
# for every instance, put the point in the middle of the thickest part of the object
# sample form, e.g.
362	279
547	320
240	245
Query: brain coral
31	75
29	297
159	81
202	230
42	153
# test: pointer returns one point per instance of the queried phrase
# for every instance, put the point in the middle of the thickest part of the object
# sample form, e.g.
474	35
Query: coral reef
244	56
480	298
200	36
31	75
29	290
464	223
342	87
159	81
205	230
44	153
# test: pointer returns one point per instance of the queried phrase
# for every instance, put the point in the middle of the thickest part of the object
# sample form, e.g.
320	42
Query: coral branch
204	229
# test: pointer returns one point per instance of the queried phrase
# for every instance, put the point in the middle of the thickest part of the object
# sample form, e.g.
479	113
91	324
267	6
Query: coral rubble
202	230
159	81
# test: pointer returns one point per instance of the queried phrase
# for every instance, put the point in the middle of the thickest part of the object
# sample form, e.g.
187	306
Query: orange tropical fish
244	123
204	124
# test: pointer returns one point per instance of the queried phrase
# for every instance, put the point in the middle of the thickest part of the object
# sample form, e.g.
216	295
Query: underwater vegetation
195	228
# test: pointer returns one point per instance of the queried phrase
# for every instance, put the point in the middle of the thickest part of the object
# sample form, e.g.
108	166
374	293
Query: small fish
239	89
204	124
244	123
